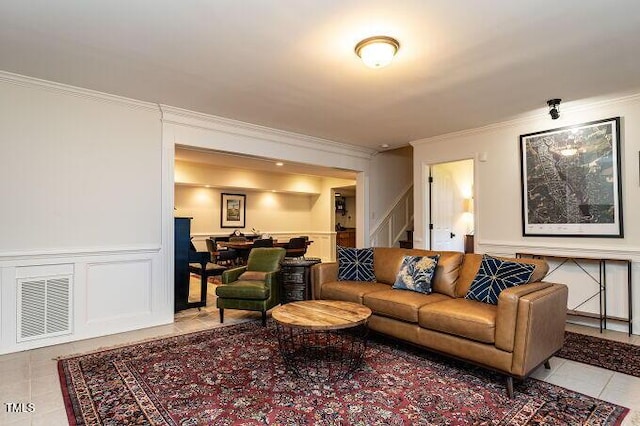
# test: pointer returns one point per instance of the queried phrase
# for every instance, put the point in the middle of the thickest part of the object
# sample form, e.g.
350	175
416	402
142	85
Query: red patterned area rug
615	356
234	375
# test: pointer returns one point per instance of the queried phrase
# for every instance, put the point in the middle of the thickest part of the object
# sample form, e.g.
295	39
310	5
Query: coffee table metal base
322	355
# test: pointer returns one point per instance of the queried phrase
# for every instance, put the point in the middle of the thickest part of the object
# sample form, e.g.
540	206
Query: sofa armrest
540	327
322	273
508	310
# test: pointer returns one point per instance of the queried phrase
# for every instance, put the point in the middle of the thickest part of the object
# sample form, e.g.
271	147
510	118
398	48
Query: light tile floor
31	376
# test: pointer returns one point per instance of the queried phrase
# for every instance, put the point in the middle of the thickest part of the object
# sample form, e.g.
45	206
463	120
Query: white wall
76	172
391	176
497	189
81	192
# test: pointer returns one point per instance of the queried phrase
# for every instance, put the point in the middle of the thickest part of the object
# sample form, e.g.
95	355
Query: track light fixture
554	108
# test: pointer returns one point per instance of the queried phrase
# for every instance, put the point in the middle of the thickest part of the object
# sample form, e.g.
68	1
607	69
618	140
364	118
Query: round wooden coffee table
322	340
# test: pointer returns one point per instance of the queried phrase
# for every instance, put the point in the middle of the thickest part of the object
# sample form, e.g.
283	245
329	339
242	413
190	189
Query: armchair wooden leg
264	318
221	315
510	387
547	365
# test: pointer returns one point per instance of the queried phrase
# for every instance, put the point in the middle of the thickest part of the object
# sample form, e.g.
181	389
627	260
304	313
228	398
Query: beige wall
224	177
266	211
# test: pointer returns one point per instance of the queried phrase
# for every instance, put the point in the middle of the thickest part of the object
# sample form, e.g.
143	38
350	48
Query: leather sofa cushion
461	317
400	304
387	262
350	291
253	290
471	265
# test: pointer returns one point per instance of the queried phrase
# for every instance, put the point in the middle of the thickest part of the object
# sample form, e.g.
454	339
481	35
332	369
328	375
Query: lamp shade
467	205
378	51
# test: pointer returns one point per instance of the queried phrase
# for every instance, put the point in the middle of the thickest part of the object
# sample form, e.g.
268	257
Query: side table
295	278
322	340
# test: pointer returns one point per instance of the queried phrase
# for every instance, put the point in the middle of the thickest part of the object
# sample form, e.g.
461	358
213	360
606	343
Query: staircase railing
392	226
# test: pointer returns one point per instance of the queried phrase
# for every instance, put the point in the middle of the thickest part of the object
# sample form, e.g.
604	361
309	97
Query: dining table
244	247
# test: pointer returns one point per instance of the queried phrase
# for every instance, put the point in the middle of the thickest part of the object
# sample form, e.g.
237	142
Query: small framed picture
232	210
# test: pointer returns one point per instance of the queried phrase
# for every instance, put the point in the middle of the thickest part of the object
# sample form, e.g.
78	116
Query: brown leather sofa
515	336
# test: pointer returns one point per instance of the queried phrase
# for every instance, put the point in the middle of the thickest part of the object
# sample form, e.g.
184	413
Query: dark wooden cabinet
295	280
468	243
408	243
346	238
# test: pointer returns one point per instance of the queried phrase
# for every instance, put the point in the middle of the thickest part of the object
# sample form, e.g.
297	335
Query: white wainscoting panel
112	290
117	291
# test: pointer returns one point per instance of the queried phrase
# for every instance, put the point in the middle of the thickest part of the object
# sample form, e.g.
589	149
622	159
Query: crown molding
528	118
183	117
32	82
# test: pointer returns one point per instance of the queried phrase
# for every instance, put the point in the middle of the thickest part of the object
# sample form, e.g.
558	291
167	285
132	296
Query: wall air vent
44	307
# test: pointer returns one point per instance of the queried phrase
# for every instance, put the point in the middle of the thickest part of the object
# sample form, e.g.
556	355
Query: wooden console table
601	280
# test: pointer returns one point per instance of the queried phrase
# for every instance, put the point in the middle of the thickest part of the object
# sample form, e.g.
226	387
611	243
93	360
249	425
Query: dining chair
297	247
211	268
253	287
263	242
221	255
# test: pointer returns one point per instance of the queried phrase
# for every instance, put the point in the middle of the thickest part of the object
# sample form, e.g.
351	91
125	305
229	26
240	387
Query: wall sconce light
378	51
554	108
467	205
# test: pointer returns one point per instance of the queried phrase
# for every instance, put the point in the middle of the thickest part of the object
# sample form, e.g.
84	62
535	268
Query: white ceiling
290	65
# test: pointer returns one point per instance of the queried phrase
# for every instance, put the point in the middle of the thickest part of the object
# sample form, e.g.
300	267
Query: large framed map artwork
571	181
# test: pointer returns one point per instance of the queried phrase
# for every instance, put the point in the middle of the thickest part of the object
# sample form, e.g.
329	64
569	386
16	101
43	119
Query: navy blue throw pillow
496	275
355	264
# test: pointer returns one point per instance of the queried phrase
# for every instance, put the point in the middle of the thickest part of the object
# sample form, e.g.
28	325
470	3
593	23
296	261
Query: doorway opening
451	206
345	215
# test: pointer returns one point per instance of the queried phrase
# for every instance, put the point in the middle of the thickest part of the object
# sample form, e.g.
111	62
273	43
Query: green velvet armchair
253	287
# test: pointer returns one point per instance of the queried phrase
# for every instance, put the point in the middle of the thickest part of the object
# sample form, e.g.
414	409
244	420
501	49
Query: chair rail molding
56	254
509	248
395	221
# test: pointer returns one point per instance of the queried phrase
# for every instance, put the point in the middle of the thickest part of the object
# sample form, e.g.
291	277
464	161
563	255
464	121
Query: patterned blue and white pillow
496	275
355	264
416	273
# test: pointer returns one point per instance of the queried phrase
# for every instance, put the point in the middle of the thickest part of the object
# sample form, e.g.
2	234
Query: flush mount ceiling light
377	51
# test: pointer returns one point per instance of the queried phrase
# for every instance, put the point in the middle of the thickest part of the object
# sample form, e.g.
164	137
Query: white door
441	201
